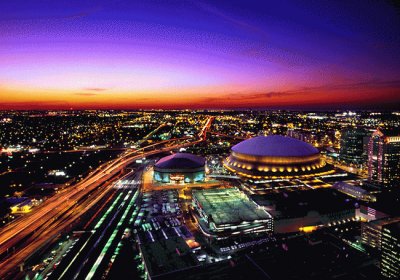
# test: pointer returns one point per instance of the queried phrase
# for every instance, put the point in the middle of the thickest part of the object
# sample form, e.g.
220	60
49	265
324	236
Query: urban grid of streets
20	239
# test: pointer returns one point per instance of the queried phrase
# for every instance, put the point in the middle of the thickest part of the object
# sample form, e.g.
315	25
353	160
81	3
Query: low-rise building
354	191
20	205
295	211
228	212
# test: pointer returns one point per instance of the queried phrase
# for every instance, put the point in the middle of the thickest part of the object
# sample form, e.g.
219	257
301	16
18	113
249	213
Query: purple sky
128	54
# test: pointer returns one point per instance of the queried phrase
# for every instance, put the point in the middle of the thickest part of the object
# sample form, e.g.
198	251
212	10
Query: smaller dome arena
180	168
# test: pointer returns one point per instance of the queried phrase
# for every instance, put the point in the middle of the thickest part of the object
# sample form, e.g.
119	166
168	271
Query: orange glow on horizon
201	97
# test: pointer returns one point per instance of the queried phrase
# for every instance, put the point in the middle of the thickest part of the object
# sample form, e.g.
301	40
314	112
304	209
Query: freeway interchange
27	235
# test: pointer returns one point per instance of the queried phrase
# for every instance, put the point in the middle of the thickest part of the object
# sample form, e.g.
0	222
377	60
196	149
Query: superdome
275	156
275	146
180	167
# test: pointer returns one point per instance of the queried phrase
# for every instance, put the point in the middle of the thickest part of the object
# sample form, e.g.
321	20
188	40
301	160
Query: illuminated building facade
275	157
384	157
20	205
22	208
369	213
390	260
180	168
371	232
354	191
351	145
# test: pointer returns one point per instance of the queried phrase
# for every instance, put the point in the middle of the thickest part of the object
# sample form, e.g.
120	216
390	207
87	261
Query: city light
191	140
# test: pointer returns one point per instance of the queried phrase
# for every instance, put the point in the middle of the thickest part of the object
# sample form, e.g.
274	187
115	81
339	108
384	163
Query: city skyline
125	55
198	139
199	194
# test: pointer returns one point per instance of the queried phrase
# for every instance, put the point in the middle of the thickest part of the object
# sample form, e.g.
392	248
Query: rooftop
394	228
275	146
298	203
229	206
385	221
390	132
180	161
167	255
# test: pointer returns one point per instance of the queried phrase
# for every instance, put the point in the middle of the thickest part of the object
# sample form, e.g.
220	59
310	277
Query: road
353	170
20	239
90	256
240	138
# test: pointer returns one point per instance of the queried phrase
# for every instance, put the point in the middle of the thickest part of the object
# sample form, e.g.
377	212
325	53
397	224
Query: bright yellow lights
308	229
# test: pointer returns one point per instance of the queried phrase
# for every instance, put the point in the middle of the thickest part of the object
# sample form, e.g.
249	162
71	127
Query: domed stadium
180	168
275	156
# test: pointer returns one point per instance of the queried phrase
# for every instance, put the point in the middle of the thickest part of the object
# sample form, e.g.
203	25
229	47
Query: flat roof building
305	210
20	205
226	212
354	191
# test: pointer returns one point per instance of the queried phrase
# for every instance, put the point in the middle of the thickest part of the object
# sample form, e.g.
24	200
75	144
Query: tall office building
371	232
351	145
384	157
390	260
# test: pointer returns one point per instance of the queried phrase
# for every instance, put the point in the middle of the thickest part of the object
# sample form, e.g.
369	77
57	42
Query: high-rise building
351	145
390	260
371	232
384	157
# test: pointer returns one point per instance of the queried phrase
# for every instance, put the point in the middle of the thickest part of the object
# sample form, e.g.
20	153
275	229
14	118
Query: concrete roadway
29	233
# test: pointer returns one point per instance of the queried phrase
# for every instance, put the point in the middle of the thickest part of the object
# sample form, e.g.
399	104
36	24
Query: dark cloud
241	96
95	89
362	89
85	93
369	84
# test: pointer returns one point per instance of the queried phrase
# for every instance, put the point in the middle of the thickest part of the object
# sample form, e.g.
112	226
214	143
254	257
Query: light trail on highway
84	258
29	233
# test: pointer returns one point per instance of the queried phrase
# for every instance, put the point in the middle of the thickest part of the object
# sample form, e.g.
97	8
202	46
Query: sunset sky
199	54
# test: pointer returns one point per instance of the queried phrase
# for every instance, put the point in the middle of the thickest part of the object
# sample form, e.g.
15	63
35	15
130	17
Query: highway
91	254
240	138
20	239
353	170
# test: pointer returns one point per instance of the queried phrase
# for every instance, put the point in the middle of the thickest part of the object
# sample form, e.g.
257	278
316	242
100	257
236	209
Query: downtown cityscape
194	140
199	194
